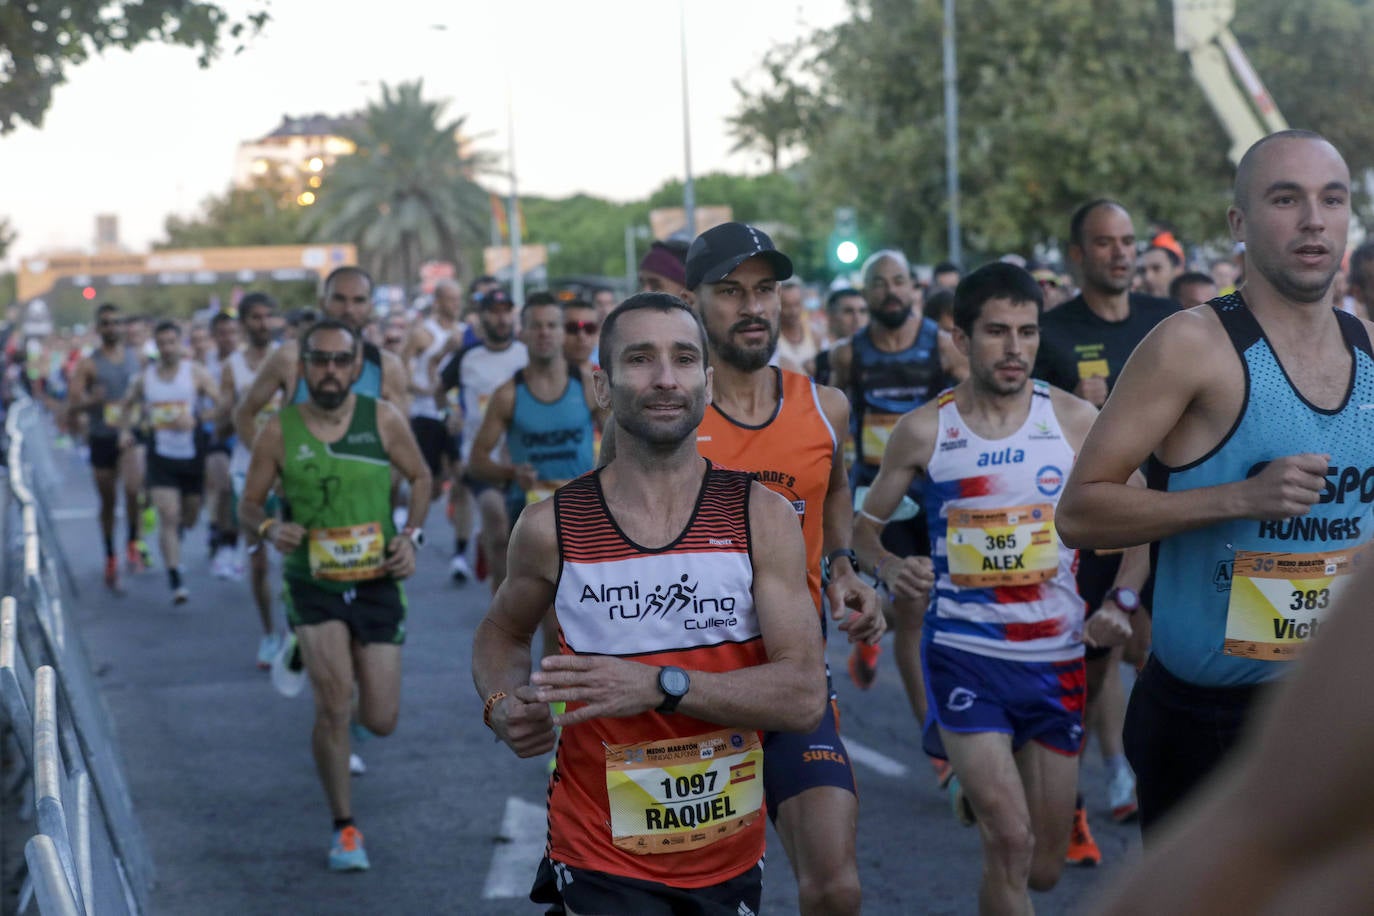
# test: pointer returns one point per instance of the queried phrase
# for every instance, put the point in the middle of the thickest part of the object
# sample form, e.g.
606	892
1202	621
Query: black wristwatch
674	683
829	559
1124	598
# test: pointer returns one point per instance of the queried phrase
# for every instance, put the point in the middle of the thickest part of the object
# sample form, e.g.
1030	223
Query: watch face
673	681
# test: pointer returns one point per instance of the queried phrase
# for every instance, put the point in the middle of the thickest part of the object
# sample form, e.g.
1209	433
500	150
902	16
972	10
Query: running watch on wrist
1125	598
829	560
674	683
416	535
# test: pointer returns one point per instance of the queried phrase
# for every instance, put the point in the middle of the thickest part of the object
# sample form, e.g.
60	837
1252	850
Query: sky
595	87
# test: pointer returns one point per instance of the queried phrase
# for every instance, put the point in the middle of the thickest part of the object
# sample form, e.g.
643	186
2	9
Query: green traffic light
847	252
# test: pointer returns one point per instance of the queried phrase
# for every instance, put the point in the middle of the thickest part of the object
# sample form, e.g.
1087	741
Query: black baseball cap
719	250
492	297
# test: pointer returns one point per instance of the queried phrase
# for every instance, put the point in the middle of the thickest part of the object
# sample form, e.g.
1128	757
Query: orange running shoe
1083	850
863	665
133	558
943	771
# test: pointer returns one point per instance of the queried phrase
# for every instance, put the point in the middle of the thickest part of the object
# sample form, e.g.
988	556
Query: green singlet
340	492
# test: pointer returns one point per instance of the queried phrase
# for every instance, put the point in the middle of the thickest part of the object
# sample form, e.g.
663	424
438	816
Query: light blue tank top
1233	601
555	437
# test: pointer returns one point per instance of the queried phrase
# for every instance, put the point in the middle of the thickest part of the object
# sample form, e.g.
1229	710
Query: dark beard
327	398
892	320
745	359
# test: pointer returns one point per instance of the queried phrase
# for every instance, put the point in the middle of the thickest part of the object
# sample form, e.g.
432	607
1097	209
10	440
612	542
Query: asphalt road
222	778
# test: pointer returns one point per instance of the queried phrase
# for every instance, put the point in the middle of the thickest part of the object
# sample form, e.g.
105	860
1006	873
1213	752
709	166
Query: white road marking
72	515
519	848
870	758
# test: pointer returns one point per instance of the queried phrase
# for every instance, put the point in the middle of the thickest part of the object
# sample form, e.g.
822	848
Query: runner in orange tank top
680	642
788	432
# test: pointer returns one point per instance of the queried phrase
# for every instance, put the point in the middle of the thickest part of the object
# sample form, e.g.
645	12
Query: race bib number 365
1278	600
991	548
683	793
346	554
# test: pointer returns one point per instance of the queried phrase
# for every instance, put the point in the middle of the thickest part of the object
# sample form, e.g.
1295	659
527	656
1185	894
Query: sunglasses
340	358
580	327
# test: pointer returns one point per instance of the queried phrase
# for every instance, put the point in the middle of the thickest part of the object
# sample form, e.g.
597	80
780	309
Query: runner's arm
271	378
394	379
852	600
1165	375
400	446
495	422
79	395
226	399
840	358
263	468
787	693
907	454
417	338
133	396
501	645
952	360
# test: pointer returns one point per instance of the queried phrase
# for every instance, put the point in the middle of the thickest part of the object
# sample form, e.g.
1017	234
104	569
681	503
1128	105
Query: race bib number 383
346	554
1278	600
991	548
683	793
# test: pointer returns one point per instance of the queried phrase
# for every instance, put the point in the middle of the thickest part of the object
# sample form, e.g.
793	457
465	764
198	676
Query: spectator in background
797	343
846	313
1360	280
663	270
1226	275
945	275
581	325
1159	267
1192	289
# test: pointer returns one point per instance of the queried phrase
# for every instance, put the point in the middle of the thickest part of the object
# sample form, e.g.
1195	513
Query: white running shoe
288	672
458	569
356	765
268	647
181	595
222	563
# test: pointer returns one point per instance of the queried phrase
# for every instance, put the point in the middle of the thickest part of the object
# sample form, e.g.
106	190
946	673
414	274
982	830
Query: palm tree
408	192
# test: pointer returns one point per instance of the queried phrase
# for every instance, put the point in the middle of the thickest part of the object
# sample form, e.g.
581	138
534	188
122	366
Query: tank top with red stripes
666	798
792	453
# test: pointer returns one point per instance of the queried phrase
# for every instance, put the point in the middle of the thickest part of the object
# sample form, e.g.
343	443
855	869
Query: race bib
112	414
347	554
877	430
1002	547
168	414
683	793
1278	600
1093	368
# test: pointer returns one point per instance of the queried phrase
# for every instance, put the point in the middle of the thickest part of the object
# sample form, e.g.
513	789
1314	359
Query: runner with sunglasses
580	329
334	453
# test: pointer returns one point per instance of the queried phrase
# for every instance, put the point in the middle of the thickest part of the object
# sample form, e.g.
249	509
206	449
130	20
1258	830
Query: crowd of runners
1029	477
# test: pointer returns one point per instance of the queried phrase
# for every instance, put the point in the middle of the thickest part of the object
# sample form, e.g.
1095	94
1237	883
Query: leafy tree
7	236
264	214
585	234
408	192
773	120
40	39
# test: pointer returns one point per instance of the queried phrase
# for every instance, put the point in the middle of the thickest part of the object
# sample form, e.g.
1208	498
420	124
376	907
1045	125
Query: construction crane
1202	30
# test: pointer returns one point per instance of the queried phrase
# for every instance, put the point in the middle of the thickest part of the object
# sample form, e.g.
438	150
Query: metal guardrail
90	852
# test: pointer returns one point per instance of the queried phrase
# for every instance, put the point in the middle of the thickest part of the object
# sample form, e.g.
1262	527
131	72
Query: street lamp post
689	193
952	137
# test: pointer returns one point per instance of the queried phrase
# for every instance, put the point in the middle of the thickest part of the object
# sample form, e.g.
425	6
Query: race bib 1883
989	548
347	554
683	793
1278	600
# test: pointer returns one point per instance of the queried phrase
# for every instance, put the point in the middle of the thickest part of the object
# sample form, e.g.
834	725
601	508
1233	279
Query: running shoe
346	852
943	771
133	558
458	569
959	803
863	665
149	520
222	563
356	765
145	556
288	672
181	595
1083	849
1121	795
268	647
111	572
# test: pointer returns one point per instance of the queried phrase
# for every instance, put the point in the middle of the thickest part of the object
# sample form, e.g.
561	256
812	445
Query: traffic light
844	249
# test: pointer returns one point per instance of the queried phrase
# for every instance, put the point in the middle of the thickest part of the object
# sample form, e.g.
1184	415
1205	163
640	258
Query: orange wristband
492	700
